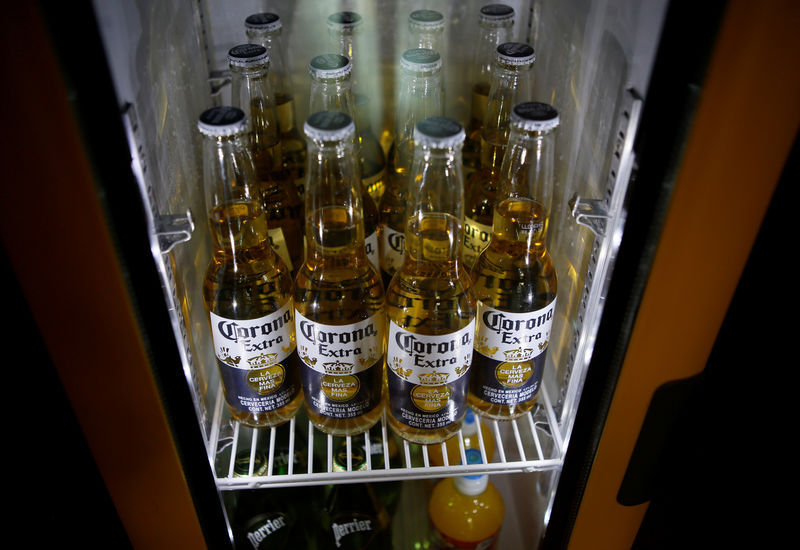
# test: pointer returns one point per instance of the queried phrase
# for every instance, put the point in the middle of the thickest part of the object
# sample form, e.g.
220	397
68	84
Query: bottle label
510	354
371	244
440	540
353	530
476	239
268	531
428	382
278	243
342	374
392	249
256	359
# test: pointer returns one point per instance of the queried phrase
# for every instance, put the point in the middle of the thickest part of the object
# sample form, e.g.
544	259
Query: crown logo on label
516	355
263	360
433	378
337	367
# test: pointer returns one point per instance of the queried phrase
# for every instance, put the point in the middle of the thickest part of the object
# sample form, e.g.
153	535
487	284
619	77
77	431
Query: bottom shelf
298	454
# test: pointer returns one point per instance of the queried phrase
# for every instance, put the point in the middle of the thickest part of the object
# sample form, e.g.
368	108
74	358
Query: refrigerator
677	128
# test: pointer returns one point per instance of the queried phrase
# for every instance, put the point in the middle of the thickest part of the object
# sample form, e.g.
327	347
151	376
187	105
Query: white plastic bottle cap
496	13
533	115
439	132
329	126
421	60
263	22
329	65
426	20
344	20
473	484
248	55
222	121
515	53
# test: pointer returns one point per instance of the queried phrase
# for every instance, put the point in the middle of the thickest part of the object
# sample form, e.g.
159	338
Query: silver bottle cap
516	53
439	132
533	115
496	13
329	65
263	22
248	55
421	60
329	126
344	20
426	20
222	121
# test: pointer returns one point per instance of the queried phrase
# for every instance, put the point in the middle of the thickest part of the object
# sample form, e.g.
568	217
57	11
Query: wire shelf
297	454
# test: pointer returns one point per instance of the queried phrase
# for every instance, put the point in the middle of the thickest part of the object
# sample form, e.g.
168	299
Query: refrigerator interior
168	61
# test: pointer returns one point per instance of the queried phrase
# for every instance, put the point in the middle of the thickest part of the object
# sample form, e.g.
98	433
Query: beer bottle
247	289
514	278
419	98
339	298
426	29
265	29
467	511
429	303
251	92
331	90
511	84
496	25
373	159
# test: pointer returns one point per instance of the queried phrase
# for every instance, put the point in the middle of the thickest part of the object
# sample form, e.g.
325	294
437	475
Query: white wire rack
297	454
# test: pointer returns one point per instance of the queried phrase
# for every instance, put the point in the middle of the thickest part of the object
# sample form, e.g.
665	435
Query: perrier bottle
247	289
331	90
511	84
429	303
251	91
339	296
265	29
514	278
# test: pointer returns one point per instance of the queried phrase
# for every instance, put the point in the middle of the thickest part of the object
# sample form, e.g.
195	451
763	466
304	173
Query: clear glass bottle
426	30
331	90
247	290
469	429
343	27
251	92
339	297
419	98
429	303
512	81
496	26
265	29
514	278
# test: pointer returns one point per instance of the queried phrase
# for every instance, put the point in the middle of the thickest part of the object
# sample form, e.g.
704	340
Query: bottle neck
510	85
434	226
332	94
235	210
420	98
524	195
490	36
334	215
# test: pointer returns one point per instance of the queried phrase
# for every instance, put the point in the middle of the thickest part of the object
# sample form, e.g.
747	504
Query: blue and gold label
510	354
257	360
342	365
428	376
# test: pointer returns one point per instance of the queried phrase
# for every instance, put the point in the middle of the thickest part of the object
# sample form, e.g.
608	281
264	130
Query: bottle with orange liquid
466	512
469	429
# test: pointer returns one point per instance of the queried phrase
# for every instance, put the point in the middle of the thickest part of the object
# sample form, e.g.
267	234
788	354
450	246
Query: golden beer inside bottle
238	226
